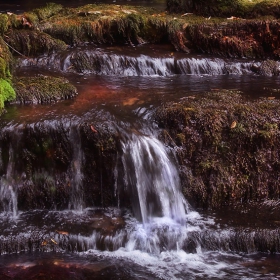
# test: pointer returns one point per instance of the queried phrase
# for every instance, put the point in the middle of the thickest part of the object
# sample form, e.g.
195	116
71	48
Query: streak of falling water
152	180
77	195
8	195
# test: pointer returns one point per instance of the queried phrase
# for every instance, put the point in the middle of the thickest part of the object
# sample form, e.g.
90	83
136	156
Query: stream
161	236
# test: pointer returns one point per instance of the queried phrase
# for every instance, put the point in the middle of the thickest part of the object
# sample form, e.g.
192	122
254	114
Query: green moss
34	42
232	146
33	18
49	10
269	130
4	70
240	8
7	93
3	23
43	89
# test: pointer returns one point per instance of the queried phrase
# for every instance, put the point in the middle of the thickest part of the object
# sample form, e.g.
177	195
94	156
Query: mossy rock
33	42
268	68
7	60
115	24
228	147
236	38
226	8
43	89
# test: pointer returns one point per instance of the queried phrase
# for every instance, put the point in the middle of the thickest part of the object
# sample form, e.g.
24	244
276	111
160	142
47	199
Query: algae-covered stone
33	42
236	8
269	68
43	89
229	153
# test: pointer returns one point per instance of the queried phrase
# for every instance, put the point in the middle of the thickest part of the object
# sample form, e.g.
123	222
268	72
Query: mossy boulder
227	147
268	68
33	42
43	89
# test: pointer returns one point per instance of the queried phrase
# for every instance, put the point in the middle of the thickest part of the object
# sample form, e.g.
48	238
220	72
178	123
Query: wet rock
59	164
226	8
43	89
32	42
219	163
268	68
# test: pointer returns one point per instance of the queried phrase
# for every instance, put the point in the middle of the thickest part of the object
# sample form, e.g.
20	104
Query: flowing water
161	237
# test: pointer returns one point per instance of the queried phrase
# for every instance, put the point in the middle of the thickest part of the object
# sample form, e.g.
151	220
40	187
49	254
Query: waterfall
77	196
152	180
8	196
104	63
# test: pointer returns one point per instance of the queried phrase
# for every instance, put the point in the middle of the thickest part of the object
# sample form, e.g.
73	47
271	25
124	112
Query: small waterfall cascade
77	195
152	180
104	63
8	186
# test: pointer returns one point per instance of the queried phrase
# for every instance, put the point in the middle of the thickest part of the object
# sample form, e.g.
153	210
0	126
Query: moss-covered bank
52	28
222	8
227	146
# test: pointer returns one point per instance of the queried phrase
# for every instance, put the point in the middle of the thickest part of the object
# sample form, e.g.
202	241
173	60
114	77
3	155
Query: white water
104	63
152	180
77	196
8	187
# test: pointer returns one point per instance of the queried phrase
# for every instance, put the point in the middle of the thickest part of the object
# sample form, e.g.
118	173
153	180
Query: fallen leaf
130	101
233	125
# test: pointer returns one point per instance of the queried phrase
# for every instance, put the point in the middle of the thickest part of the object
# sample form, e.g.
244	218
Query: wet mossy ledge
43	89
222	8
227	146
53	28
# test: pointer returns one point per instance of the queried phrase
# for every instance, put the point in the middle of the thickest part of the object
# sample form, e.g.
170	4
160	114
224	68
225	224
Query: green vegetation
222	8
228	147
43	89
7	93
